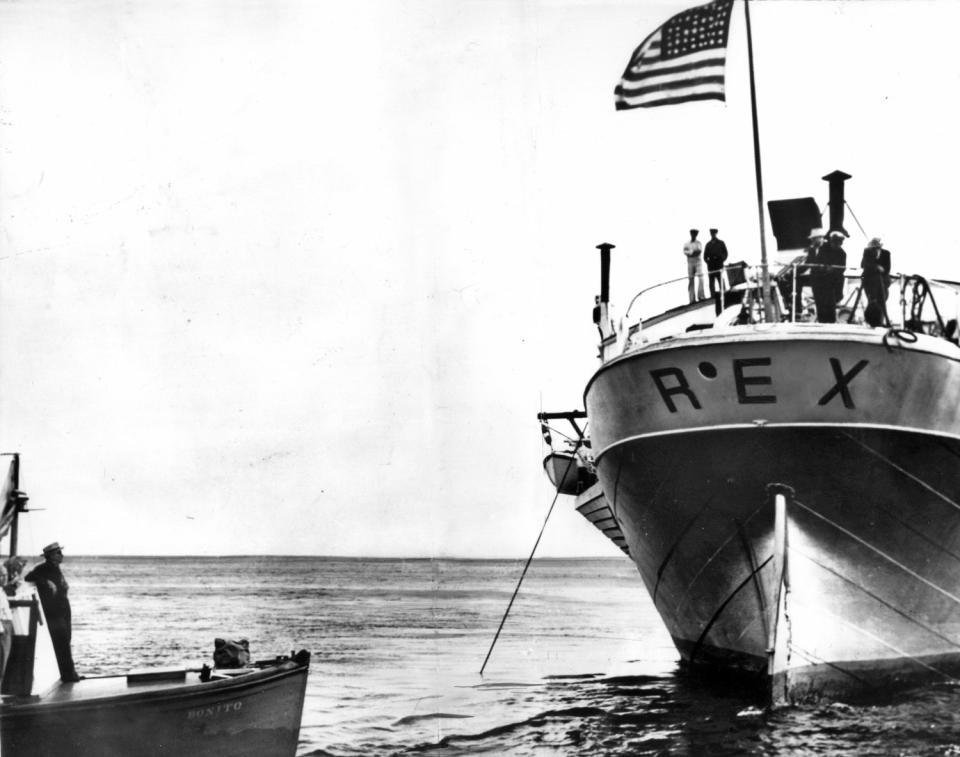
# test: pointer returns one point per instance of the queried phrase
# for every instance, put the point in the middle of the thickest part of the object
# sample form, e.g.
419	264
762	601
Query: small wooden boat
568	473
249	711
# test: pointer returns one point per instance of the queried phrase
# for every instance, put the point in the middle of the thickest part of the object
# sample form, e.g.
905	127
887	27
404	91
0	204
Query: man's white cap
815	233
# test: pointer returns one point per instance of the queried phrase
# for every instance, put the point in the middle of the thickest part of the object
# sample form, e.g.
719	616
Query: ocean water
582	667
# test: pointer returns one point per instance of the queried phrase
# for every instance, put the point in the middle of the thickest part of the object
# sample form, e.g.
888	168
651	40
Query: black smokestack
835	180
605	270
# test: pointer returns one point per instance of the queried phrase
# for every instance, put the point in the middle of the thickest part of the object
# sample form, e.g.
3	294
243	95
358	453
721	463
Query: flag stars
697	29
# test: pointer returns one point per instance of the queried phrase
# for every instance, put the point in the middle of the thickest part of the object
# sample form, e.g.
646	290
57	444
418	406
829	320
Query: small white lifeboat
568	472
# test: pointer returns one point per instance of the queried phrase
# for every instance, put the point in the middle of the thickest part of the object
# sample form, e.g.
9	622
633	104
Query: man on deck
715	255
827	277
52	588
692	250
875	278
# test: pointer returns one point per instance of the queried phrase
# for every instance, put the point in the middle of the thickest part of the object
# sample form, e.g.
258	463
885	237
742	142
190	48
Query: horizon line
342	557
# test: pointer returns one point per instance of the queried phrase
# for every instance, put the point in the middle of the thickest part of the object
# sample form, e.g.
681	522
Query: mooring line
880	552
533	551
902	470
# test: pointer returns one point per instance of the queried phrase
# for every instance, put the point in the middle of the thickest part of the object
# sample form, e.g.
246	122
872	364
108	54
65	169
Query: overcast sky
295	277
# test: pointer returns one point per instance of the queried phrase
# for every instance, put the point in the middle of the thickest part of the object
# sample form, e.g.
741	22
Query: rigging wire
904	471
877	598
847	204
880	552
891	647
554	430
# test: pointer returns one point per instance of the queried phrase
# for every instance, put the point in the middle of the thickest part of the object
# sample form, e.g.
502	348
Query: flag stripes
708	82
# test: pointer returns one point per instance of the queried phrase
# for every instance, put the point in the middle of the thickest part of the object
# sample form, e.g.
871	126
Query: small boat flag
682	60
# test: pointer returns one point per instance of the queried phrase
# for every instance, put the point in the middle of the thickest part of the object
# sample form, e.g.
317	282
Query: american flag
682	60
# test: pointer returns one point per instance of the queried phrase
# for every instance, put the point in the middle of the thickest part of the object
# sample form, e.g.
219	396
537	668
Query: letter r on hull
680	387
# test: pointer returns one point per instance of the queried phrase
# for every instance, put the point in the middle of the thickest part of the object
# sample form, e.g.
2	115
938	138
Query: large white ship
789	490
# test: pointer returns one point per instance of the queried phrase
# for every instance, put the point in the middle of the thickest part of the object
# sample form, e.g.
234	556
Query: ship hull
866	597
256	714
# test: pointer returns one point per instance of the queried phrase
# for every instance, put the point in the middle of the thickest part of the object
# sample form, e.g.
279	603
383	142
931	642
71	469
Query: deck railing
913	304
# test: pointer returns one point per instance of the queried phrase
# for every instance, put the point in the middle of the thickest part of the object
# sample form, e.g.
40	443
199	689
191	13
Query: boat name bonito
209	712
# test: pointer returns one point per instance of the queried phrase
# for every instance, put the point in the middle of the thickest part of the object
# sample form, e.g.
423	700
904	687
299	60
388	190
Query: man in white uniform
693	250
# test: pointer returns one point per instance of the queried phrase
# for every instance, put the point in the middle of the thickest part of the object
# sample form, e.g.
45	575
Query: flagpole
764	268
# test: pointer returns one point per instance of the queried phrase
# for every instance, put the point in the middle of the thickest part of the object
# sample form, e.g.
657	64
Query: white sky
295	277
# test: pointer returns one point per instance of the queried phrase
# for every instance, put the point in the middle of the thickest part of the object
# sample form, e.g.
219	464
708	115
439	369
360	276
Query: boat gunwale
255	678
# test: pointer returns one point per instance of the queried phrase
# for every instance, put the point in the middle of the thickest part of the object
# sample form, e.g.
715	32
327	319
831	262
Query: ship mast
764	267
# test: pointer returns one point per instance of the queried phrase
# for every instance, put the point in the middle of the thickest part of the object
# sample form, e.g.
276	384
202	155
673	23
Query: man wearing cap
52	588
692	250
875	278
715	255
827	277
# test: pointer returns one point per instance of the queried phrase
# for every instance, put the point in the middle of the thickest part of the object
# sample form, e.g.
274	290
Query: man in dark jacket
875	279
715	255
826	279
52	588
798	275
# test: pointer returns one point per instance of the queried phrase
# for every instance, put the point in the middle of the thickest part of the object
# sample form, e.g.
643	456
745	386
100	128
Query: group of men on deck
714	255
822	269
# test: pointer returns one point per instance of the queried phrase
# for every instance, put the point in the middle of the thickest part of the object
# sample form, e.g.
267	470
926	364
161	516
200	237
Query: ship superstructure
789	490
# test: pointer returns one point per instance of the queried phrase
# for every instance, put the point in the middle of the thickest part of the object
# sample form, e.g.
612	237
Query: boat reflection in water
253	709
788	489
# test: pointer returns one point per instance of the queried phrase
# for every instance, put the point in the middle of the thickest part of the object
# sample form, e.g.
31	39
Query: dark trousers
60	633
825	297
715	288
875	289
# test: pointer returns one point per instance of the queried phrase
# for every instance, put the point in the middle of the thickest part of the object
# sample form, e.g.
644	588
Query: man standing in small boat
693	250
52	588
